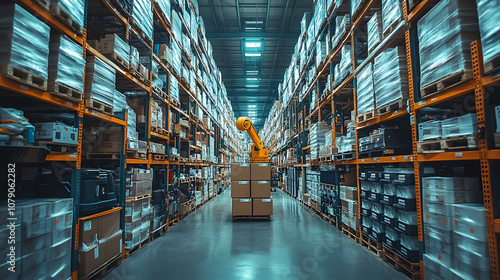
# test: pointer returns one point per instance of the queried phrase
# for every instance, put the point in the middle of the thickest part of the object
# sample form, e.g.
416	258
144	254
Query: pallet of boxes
251	191
137	208
350	213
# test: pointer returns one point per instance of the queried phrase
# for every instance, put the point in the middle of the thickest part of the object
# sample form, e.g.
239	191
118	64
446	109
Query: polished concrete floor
295	244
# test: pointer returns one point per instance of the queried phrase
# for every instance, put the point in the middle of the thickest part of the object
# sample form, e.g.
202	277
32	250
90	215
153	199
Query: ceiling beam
293	14
213	14
238	13
267	13
264	35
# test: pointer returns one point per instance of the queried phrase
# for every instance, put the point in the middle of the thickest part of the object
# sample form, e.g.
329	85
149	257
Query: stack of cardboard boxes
251	189
137	206
349	201
100	241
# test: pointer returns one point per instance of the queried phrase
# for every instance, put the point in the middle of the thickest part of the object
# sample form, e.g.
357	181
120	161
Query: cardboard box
262	206
113	246
89	232
242	207
91	259
56	132
240	189
261	189
260	172
240	172
136	188
348	193
109	224
138	174
109	147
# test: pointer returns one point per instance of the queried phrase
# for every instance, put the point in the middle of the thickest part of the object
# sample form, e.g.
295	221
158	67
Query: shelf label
87	226
94	112
24	87
405	157
72	156
393	158
422	102
459	155
69	103
435	98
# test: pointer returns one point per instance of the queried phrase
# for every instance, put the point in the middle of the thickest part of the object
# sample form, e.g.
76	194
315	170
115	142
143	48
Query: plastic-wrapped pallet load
174	88
119	102
177	57
134	58
460	126
176	27
142	14
444	35
364	94
390	77
489	16
374	30
317	134
113	47
345	62
354	6
99	80
66	64
75	9
164	6
391	13
22	34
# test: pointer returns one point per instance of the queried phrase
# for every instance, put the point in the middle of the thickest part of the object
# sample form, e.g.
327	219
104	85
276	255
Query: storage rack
297	113
224	130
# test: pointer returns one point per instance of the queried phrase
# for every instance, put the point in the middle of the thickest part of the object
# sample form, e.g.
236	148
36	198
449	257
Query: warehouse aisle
296	244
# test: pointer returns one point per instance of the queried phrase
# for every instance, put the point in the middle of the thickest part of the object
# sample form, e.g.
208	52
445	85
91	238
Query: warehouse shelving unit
227	144
296	116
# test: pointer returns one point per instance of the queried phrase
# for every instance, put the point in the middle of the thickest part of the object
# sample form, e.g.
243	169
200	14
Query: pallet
64	92
160	157
136	155
160	93
391	28
344	156
325	158
122	10
99	106
58	147
65	18
492	66
371	245
376	153
446	82
351	233
23	77
104	269
412	270
45	4
135	198
173	158
159	130
391	107
140	32
139	76
129	253
158	232
497	139
429	147
460	143
117	60
367	116
236	218
104	156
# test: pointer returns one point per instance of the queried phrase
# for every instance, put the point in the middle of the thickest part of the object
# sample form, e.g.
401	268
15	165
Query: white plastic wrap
176	26
354	6
489	17
429	130
25	41
113	44
390	77
177	57
164	7
460	126
364	94
66	62
99	80
119	101
345	62
373	29
142	13
74	8
444	35
174	88
391	12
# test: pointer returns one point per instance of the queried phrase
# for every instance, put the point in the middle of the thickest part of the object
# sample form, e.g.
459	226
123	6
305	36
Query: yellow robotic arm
258	153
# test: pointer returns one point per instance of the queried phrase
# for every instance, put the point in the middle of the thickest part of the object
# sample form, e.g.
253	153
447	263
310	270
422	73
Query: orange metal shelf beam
362	15
419	9
61	157
449	156
386	159
383	118
494	154
38	94
161	19
103	117
44	15
113	10
137	161
163	162
116	209
154	134
467	87
489	80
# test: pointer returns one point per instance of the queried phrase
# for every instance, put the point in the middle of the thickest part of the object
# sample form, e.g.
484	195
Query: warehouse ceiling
253	42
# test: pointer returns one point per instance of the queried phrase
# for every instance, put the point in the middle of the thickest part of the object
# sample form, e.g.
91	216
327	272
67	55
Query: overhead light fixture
254	22
252	72
252	86
253	45
253	79
252	106
252	54
253	28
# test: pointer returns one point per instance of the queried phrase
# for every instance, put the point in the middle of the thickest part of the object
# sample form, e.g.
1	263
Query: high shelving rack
224	130
296	118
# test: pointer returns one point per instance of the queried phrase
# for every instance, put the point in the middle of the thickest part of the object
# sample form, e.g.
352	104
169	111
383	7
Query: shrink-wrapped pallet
391	13
489	17
364	93
164	6
66	63
99	80
390	77
25	41
142	15
374	31
75	9
444	36
119	101
345	62
176	27
115	48
174	88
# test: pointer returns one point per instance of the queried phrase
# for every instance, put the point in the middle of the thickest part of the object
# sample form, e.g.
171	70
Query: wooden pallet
497	139
371	245
117	60
99	106
124	11
65	18
446	82
159	130
58	147
429	146
351	233
160	93
160	157
45	4
104	269
367	116
344	156
139	76
140	32
376	153
173	158
136	155
391	28
135	198
158	232
460	143
64	92
492	66
129	253
236	218
23	77
412	270
325	158
104	156
391	107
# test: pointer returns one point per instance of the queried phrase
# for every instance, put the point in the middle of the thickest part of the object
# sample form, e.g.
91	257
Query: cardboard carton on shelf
240	172
262	206
261	189
260	172
240	189
242	207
